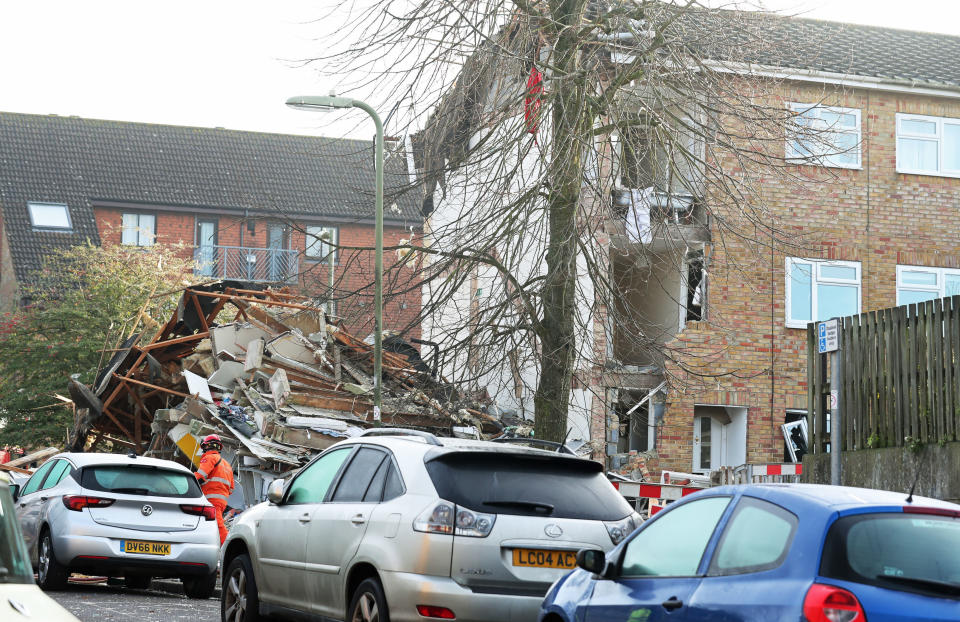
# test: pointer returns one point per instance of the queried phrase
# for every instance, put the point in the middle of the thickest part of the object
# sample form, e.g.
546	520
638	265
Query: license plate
538	558
145	548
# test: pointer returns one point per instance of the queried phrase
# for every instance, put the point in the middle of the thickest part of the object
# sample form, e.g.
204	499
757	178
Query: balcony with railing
258	265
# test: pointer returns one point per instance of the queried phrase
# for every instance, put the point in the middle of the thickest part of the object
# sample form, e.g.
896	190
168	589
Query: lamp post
307	102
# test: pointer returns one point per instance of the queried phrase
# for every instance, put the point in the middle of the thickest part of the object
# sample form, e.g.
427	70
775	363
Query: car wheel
51	574
368	603
200	587
238	598
138	581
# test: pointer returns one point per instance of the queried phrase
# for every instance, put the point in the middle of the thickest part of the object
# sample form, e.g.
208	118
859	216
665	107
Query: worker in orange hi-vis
216	478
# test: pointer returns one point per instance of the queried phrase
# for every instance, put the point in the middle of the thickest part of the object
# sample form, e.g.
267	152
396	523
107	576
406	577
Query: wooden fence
900	378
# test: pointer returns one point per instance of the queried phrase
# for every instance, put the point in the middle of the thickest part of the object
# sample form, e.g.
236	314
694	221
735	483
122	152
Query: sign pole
828	340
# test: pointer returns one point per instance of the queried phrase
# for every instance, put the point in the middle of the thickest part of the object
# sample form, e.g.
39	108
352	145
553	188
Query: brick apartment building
246	205
872	225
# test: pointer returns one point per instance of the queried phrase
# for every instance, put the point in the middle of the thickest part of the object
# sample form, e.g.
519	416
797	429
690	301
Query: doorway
278	240
719	437
206	247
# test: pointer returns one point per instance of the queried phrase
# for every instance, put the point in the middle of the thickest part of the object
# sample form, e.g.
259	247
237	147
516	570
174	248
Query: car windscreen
501	483
14	564
908	552
140	480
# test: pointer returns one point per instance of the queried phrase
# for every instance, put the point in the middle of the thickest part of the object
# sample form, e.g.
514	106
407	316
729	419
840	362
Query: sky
215	63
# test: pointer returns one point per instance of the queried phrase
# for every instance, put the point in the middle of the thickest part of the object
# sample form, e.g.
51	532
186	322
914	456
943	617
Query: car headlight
618	530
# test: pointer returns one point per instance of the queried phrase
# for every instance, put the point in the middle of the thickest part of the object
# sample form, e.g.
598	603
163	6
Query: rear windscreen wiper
546	508
132	491
931	584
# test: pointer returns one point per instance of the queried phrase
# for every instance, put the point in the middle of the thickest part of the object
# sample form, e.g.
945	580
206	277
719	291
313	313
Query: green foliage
82	301
914	445
873	441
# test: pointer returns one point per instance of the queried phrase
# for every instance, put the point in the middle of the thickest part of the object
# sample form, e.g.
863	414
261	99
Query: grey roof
82	161
910	57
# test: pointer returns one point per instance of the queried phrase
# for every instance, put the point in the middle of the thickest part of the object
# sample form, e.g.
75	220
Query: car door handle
359	519
44	498
672	603
305	518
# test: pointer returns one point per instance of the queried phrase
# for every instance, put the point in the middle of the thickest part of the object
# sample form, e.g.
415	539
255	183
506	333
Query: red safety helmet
211	442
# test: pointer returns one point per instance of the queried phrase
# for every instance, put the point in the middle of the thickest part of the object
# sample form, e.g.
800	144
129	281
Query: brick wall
353	273
873	215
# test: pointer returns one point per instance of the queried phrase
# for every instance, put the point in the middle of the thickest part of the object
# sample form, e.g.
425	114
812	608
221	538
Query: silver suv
118	515
402	525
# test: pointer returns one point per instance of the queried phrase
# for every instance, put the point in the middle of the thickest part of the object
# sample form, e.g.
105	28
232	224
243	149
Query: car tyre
51	574
238	597
368	603
201	587
138	581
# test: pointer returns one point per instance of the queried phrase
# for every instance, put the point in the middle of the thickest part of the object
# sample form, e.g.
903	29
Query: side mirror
15	491
592	560
275	491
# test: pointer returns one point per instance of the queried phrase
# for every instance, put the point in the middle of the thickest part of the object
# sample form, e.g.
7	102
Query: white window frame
34	217
938	138
145	238
826	159
938	289
313	239
816	279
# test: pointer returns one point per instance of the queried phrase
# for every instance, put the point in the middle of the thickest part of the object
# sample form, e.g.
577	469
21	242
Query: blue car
772	552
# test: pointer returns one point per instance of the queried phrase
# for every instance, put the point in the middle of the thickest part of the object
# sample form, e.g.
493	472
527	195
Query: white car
402	525
20	598
116	515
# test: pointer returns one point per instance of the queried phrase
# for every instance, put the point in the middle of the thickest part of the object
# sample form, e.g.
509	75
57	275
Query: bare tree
556	140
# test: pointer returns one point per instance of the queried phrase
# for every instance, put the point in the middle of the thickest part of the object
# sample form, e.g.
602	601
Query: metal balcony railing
259	265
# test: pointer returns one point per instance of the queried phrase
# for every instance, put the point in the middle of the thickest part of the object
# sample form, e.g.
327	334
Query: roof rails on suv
430	438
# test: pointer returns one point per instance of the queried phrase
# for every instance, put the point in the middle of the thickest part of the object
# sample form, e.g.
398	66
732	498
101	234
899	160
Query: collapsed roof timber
281	381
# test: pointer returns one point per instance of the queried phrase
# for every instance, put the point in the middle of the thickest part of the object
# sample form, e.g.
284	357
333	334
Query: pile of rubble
280	381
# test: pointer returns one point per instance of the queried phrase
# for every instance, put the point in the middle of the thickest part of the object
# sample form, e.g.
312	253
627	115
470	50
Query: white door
720	442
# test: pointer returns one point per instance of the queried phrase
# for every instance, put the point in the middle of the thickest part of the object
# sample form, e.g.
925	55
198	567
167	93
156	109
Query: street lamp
331	102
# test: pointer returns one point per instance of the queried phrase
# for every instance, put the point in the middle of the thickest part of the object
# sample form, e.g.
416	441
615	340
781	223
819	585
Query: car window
312	484
358	477
394	485
756	538
13	552
525	484
374	492
36	479
898	551
673	545
57	472
140	480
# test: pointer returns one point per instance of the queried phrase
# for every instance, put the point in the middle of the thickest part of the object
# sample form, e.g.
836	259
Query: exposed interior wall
654	297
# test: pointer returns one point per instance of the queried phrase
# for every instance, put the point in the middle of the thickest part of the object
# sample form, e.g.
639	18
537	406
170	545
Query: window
757	538
359	476
50	217
673	544
825	136
928	145
819	290
61	468
139	229
919	284
312	484
317	246
667	159
148	481
34	482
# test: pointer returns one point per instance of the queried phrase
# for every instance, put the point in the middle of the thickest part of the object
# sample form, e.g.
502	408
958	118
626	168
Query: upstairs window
928	145
139	229
825	136
319	246
50	217
819	290
919	283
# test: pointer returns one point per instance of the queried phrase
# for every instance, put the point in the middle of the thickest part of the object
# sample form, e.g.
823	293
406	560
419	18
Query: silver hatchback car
110	514
410	527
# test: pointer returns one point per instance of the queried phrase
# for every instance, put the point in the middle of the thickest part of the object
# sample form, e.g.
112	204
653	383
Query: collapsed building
279	381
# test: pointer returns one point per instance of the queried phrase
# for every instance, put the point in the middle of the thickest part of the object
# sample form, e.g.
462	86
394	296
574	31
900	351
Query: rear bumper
404	591
99	550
